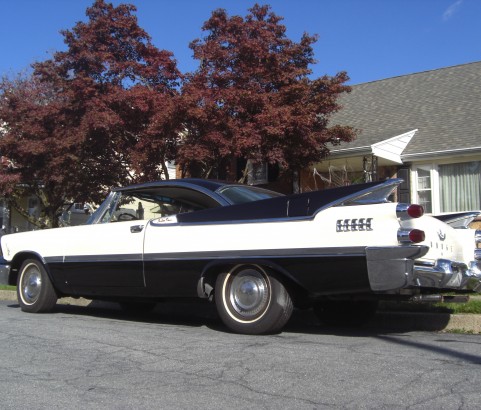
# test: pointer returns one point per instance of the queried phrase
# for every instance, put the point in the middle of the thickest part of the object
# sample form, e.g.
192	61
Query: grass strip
471	307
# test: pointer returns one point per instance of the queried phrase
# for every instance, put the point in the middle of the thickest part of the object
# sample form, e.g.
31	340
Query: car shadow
191	314
305	321
198	313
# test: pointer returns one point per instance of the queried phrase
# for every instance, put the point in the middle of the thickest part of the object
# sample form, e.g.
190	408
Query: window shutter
404	190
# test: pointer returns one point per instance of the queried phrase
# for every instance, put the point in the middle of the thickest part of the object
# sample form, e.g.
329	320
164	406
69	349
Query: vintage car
255	253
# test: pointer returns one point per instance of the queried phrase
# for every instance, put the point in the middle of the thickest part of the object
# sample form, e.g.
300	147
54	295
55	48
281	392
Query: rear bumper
449	275
392	269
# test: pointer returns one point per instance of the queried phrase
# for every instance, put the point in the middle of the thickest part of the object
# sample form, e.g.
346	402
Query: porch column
369	167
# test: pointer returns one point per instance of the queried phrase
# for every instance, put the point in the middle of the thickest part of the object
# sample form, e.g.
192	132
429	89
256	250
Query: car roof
211	185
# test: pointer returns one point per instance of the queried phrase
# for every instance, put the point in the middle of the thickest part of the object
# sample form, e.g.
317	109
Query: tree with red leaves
102	113
252	97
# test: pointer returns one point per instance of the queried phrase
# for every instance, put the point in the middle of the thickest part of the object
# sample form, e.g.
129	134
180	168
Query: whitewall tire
251	300
35	292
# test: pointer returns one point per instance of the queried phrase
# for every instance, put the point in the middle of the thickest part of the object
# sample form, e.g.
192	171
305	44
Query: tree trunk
165	170
295	182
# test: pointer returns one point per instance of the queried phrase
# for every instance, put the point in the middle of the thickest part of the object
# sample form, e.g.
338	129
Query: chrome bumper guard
392	268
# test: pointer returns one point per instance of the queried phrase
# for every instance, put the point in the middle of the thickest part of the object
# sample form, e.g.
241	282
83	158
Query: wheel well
206	286
207	281
17	262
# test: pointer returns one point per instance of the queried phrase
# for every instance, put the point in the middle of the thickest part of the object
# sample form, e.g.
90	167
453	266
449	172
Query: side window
152	203
142	206
133	208
109	212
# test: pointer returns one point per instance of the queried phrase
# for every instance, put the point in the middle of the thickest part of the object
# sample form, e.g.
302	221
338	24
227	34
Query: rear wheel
345	312
35	292
251	300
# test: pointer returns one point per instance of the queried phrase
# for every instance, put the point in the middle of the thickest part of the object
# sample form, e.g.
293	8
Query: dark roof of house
444	105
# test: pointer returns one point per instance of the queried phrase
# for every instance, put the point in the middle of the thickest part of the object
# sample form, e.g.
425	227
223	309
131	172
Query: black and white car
255	253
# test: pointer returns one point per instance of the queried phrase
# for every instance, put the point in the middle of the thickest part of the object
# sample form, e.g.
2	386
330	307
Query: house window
424	190
446	188
257	173
460	186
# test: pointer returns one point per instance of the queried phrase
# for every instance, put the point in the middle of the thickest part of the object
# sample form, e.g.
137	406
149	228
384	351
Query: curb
397	321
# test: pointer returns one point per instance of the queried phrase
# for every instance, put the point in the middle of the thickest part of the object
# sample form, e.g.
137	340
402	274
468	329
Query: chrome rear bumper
446	274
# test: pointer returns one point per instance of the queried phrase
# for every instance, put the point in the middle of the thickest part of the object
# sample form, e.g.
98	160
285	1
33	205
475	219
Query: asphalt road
181	357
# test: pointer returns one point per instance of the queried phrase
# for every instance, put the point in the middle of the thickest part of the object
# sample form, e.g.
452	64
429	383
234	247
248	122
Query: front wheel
35	292
251	300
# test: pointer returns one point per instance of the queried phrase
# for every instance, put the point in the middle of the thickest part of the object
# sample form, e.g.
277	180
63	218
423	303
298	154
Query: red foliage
106	111
103	113
252	96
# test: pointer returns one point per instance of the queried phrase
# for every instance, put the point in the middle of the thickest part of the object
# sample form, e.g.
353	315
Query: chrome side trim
155	222
357	251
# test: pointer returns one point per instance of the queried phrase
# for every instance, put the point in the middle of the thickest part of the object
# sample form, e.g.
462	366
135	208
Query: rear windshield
240	194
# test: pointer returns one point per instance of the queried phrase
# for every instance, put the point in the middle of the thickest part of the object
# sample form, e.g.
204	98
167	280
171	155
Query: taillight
411	236
415	211
409	210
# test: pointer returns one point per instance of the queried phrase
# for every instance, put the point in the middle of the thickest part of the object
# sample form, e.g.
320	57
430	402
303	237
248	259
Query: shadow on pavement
200	313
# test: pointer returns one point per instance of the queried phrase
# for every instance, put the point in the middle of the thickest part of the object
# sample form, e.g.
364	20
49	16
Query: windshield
240	194
150	203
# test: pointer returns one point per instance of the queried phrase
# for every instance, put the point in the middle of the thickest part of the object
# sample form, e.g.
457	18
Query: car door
167	270
105	258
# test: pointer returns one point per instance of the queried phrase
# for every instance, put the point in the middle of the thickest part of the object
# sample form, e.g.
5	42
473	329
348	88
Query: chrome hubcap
31	284
249	293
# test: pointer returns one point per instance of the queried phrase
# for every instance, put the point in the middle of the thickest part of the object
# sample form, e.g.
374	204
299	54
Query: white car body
188	238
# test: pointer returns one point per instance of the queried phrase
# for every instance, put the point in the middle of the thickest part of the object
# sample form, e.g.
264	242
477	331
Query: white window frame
434	177
433	167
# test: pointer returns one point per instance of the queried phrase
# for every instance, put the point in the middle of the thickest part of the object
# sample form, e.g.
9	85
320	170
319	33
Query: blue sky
370	39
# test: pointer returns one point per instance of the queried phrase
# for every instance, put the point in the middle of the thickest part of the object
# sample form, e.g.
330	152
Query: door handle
136	228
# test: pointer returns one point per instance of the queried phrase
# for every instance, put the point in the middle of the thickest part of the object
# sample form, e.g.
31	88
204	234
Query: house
423	127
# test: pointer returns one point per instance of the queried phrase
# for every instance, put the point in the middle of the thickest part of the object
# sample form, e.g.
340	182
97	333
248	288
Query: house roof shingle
444	105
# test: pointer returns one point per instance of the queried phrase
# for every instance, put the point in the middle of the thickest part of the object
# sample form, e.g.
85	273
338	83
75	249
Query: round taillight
416	235
415	211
